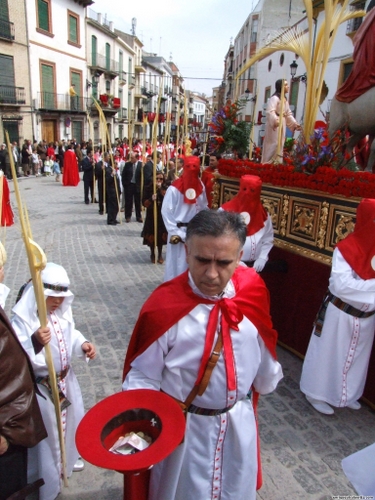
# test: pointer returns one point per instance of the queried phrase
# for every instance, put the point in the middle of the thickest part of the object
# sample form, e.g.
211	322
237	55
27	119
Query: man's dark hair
217	223
216	155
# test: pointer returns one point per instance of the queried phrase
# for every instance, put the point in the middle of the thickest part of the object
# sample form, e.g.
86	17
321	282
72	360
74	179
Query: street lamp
293	71
95	81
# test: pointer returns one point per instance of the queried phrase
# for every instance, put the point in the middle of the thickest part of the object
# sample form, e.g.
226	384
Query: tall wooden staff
37	262
177	137
165	155
154	145
107	142
281	124
144	156
168	132
251	145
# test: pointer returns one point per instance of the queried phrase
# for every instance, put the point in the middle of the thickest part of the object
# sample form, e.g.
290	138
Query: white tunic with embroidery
66	342
218	458
259	244
336	363
175	210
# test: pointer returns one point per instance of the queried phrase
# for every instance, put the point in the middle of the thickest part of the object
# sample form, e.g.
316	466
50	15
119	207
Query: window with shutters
107	56
73	29
293	96
44	18
94	50
7	84
76	79
47	85
6	27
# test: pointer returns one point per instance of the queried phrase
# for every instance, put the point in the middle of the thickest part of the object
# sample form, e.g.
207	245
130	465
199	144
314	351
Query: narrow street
111	276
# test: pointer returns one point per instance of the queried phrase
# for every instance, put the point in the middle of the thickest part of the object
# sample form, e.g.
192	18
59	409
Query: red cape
71	175
174	299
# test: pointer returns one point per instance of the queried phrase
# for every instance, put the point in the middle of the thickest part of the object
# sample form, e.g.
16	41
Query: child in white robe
65	342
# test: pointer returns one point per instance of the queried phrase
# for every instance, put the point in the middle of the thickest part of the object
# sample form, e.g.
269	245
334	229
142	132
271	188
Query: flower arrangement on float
227	132
320	165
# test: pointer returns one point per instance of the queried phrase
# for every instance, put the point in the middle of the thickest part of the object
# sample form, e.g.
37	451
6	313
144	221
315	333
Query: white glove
259	265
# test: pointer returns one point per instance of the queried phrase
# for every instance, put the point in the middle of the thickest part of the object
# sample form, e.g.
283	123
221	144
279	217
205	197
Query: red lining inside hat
94	437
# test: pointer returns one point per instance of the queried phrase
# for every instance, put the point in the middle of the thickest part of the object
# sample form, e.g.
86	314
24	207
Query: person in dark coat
148	232
21	423
112	186
99	174
88	167
130	190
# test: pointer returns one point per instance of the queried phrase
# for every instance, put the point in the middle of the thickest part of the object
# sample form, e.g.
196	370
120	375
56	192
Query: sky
196	33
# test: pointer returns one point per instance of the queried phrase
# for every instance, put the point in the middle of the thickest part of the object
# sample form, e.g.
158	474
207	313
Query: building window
44	22
269	65
77	130
47	81
354	24
254	30
293	96
282	58
107	56
76	79
73	29
108	86
94	45
7	83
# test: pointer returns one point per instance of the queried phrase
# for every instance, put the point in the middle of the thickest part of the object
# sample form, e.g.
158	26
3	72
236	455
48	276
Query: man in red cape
217	305
71	175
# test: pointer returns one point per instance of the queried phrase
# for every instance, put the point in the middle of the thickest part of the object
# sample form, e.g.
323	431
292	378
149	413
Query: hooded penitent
247	203
189	183
358	248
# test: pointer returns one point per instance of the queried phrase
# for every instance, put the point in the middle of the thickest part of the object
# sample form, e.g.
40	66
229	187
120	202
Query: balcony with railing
6	29
122	78
103	64
138	65
49	101
122	115
12	95
131	80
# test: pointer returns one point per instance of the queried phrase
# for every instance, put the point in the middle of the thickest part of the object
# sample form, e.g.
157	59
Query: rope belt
182	224
340	304
45	381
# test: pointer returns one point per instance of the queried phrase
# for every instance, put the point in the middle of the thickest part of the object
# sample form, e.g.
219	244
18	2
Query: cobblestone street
111	276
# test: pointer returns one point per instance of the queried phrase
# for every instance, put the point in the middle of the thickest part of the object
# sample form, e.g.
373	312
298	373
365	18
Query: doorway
49	130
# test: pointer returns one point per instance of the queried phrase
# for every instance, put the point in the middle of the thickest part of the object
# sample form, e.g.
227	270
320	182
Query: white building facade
57	50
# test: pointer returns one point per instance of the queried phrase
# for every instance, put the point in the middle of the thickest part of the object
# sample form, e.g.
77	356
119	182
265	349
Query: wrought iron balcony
105	65
12	95
6	29
49	101
122	78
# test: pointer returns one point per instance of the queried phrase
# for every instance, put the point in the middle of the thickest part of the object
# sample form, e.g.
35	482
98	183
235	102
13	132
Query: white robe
44	458
175	210
336	363
259	244
270	143
218	458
